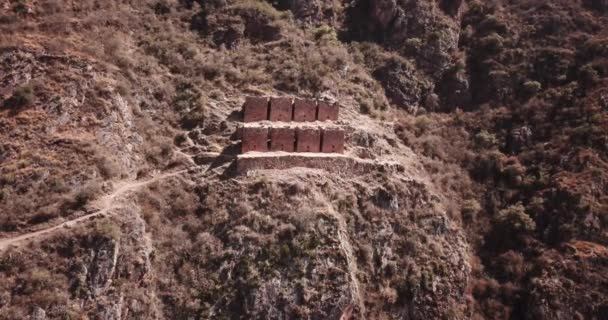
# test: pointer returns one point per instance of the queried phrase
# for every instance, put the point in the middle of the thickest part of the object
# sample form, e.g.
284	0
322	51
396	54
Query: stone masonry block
282	139
308	140
327	111
332	141
281	109
255	109
254	139
304	110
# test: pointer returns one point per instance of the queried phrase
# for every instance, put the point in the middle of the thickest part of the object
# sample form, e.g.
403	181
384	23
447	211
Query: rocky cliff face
117	131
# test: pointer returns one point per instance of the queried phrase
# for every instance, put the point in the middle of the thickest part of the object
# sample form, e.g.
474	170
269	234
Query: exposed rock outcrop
38	314
403	84
310	10
414	28
103	264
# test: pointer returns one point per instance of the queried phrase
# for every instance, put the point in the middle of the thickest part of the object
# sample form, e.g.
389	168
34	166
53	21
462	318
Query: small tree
22	97
485	140
470	208
515	220
532	87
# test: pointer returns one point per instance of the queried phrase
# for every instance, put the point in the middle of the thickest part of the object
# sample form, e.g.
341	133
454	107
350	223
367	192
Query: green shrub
532	87
595	48
20	7
492	43
514	219
488	164
256	8
589	75
161	7
194	117
40	279
107	167
23	96
190	102
422	125
470	208
365	106
492	23
325	32
85	194
107	229
413	45
485	140
514	173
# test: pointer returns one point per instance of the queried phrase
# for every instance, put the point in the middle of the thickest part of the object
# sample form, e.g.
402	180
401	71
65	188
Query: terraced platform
332	162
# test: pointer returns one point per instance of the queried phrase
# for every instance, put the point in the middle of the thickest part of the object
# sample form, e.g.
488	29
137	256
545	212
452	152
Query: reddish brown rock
332	141
327	111
282	139
281	109
254	139
304	110
308	140
255	109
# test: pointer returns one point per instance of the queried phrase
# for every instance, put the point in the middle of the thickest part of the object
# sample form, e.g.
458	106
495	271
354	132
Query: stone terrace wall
332	141
308	140
255	109
292	139
254	139
295	136
281	109
338	164
304	110
326	111
286	109
282	139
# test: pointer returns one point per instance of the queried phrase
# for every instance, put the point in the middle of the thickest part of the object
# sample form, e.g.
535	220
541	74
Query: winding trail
103	204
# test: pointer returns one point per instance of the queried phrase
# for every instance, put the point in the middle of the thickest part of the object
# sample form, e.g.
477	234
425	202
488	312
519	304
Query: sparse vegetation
85	194
22	97
511	136
515	220
532	87
485	140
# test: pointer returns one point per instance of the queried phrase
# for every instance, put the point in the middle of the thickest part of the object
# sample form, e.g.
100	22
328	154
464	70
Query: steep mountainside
118	198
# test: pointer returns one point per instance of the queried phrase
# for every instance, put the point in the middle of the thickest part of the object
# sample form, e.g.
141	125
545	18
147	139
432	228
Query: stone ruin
273	124
286	109
281	133
303	131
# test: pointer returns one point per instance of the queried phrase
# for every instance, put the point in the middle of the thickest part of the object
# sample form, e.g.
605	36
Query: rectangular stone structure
327	111
282	139
254	139
332	141
304	110
255	109
308	140
281	109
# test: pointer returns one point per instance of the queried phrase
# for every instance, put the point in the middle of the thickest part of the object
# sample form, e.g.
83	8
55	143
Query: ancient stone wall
327	111
290	139
282	139
286	109
332	141
300	144
281	109
308	140
338	163
304	110
255	109
254	139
